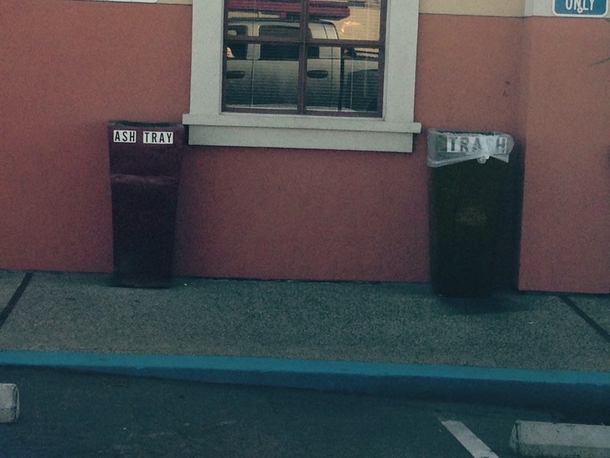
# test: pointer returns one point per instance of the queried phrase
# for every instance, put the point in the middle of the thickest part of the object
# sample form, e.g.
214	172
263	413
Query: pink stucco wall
303	214
565	243
69	67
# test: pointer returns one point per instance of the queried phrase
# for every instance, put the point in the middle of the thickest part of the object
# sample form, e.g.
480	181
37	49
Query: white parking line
472	443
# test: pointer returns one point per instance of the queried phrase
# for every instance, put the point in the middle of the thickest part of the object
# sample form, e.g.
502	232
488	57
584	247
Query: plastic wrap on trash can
447	147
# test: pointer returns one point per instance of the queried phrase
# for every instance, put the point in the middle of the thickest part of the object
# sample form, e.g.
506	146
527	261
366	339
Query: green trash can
468	170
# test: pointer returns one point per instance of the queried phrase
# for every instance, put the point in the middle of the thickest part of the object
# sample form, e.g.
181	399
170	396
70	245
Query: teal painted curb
455	383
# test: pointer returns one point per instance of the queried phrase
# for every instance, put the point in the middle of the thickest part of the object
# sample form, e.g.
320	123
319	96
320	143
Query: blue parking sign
581	8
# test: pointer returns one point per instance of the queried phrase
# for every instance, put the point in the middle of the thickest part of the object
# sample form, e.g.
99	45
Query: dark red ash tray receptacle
145	163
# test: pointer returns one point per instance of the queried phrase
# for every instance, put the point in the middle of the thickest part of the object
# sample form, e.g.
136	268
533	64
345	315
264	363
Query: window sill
285	131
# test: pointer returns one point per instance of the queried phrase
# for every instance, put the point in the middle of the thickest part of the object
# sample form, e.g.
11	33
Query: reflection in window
279	52
330	62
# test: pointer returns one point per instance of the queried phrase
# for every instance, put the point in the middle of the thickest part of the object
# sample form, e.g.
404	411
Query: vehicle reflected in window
327	64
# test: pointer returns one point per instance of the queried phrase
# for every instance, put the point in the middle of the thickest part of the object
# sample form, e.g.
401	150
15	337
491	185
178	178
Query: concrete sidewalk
354	336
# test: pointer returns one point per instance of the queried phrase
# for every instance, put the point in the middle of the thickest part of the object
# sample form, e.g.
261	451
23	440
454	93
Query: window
343	44
324	74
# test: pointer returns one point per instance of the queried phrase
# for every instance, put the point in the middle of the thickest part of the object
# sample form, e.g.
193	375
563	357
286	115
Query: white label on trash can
474	144
124	136
158	138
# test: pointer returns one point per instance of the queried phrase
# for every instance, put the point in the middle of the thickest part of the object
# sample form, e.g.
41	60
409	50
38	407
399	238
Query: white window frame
393	132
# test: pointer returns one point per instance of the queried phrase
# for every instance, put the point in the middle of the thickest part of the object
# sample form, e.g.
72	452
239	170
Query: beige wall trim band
500	8
465	7
509	8
163	2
